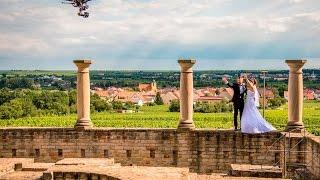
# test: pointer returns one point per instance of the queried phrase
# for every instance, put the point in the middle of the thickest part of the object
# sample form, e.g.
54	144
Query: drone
81	4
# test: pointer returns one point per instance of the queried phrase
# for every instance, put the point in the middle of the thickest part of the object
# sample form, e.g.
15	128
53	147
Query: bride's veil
256	94
256	97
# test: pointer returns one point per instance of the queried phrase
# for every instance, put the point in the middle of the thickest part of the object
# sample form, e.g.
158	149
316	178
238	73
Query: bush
150	104
174	106
205	107
276	102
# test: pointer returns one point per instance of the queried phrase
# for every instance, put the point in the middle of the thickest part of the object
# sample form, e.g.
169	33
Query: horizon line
154	69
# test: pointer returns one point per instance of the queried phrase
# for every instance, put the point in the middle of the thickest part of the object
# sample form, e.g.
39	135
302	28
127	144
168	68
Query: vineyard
159	117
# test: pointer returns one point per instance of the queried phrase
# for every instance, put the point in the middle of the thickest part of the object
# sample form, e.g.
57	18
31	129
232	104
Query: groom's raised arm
226	82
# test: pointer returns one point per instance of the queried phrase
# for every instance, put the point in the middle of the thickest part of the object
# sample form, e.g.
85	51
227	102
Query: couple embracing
251	121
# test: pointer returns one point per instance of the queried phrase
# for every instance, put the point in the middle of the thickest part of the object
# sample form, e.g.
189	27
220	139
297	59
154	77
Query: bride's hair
254	81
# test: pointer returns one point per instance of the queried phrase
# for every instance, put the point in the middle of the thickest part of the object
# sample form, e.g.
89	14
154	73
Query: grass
159	117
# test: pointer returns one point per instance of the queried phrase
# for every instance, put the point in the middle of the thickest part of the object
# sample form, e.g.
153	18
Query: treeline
22	103
133	78
17	82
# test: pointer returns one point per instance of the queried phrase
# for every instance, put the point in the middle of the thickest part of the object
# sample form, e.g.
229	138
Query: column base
186	125
296	128
83	124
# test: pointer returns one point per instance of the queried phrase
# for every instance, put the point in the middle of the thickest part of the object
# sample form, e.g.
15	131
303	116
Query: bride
251	121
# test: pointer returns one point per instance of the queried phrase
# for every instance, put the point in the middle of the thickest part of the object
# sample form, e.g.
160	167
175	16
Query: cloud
296	1
123	30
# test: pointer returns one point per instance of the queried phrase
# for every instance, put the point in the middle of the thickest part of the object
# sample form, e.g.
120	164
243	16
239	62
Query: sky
154	34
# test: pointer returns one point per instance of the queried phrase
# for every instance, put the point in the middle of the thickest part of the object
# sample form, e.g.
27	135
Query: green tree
5	96
17	82
99	104
128	105
281	90
72	97
117	105
52	102
276	92
17	108
158	100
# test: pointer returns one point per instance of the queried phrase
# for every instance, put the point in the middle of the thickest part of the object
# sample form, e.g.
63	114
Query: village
147	92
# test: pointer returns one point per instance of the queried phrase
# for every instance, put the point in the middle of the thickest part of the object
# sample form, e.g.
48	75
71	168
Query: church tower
154	86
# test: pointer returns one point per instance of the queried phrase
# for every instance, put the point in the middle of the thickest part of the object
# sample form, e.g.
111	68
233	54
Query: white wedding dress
251	121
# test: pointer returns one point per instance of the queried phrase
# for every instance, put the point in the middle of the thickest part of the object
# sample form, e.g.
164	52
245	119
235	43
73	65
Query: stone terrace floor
31	170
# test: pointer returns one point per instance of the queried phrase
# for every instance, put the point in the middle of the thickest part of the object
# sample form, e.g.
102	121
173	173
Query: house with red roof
308	94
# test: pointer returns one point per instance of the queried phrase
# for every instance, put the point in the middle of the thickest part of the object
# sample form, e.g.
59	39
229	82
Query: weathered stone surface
248	170
8	164
202	151
22	175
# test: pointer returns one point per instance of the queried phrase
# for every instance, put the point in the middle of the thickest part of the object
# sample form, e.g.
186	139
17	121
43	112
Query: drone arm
81	4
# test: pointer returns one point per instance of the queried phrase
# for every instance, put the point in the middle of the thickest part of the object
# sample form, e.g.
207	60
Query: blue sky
153	34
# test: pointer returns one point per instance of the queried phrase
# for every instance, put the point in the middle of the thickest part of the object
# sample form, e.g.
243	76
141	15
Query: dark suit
238	102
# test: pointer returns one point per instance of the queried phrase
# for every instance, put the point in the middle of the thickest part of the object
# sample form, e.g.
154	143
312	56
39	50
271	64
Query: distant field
159	117
38	73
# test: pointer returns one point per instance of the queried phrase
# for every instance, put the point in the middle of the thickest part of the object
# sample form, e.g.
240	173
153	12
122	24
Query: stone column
83	94
295	95
186	94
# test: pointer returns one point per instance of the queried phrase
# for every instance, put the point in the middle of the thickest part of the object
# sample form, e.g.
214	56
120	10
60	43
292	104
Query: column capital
186	64
296	65
82	65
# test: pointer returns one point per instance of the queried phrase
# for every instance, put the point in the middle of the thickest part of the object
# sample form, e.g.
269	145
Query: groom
239	91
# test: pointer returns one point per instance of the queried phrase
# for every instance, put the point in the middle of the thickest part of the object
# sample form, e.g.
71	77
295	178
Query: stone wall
302	155
203	151
313	159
